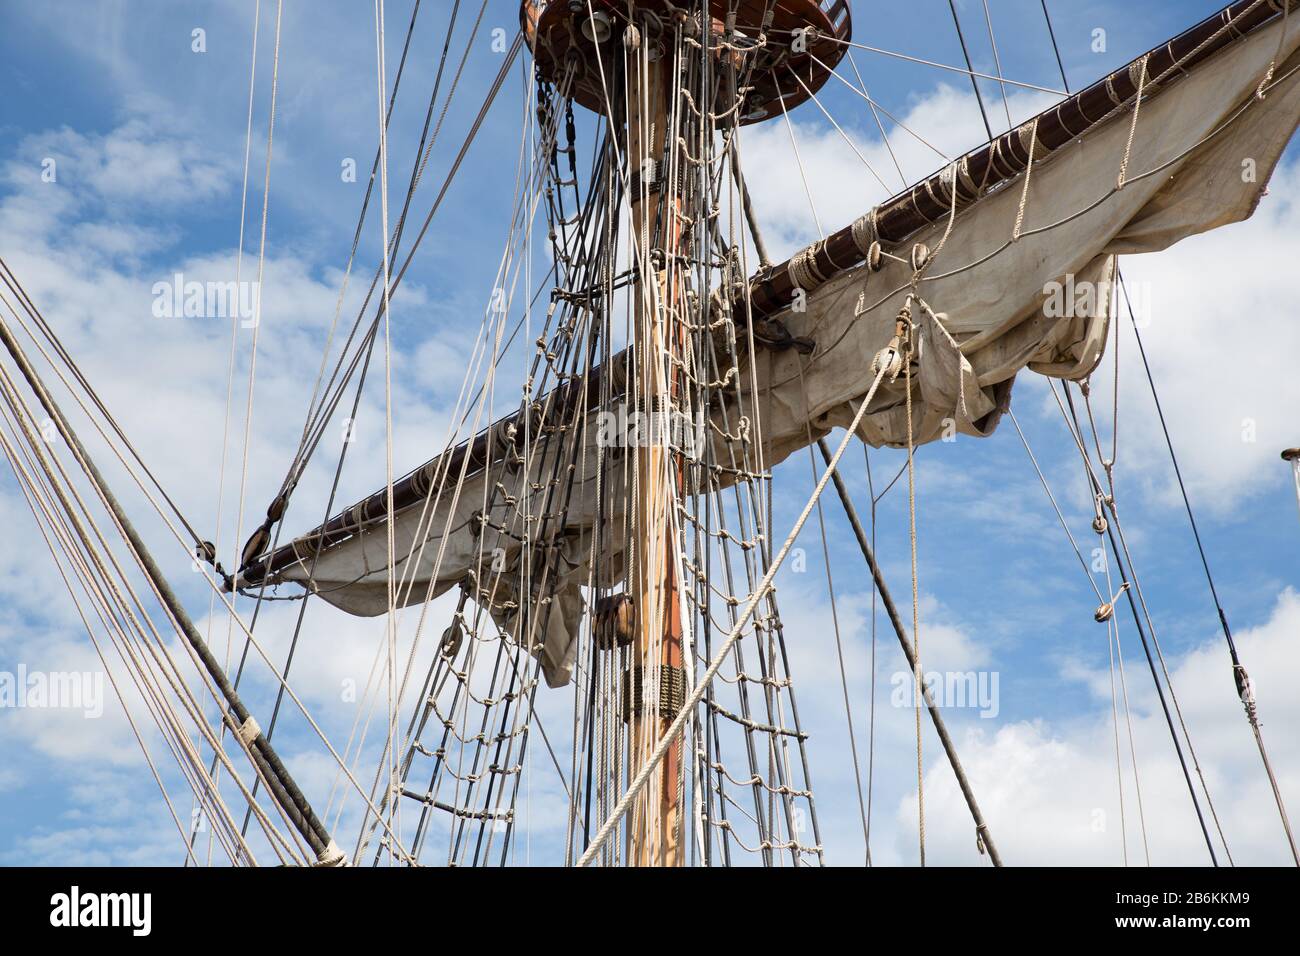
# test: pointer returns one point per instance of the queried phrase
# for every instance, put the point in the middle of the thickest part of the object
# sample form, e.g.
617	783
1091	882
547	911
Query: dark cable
970	68
1137	620
1055	48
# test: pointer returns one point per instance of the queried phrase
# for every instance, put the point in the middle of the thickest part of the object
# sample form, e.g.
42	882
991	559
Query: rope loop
1029	172
1132	131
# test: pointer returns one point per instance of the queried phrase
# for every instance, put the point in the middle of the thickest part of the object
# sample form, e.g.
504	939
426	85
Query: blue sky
149	142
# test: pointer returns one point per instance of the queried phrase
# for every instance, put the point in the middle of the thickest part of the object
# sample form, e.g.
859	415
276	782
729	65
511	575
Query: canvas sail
1214	145
982	321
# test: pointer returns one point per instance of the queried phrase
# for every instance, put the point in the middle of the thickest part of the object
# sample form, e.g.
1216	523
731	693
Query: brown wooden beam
897	219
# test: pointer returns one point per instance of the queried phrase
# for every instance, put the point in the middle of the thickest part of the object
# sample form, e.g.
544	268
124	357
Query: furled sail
1152	154
1192	157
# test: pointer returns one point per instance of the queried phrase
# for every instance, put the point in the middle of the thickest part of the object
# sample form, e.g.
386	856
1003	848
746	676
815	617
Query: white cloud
1049	790
1040	781
1221	341
1222	345
845	180
92	275
137	163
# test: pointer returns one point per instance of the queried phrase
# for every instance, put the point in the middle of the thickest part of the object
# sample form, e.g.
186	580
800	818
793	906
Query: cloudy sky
147	138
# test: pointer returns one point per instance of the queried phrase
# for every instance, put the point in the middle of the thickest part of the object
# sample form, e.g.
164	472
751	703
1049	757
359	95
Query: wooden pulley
615	619
275	511
875	257
452	639
920	256
256	545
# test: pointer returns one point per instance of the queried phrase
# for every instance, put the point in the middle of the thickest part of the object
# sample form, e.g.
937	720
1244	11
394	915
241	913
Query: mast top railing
795	44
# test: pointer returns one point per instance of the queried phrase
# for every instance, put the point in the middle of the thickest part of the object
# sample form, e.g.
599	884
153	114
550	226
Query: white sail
1186	159
1213	146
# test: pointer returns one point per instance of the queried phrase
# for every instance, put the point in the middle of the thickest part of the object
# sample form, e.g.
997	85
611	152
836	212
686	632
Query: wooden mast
656	681
582	45
899	218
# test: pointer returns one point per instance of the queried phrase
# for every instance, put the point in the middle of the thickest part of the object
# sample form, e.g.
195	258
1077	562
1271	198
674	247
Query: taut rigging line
284	789
1106	528
983	835
1245	688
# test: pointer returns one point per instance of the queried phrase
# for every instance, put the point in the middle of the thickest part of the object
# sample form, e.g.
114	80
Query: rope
876	106
970	68
1024	191
1259	94
1132	130
918	671
381	83
973	74
1108	529
232	360
799	161
71	503
1113	647
880	126
997	63
817	101
257	304
871	731
887	362
1238	668
1051	33
839	646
